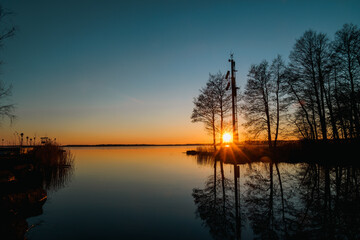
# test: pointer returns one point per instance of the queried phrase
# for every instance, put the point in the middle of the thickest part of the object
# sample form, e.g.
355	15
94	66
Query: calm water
125	193
161	193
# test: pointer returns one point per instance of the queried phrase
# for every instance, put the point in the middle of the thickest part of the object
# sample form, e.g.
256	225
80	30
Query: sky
126	72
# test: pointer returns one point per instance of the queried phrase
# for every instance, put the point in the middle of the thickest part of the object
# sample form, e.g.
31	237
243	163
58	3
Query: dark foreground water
160	193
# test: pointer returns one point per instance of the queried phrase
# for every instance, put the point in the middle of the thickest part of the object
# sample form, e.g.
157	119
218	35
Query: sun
227	137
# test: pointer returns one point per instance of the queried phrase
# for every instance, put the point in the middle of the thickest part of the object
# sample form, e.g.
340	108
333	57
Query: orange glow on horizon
105	134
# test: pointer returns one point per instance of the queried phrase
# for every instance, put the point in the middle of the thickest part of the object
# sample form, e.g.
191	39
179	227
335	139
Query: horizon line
134	145
161	144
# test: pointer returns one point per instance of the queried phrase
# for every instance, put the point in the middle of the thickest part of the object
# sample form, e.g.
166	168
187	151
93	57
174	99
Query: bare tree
265	99
222	97
256	100
6	110
213	105
318	91
277	71
309	61
347	54
205	110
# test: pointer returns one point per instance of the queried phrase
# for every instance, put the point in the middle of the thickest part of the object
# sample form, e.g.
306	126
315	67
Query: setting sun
227	137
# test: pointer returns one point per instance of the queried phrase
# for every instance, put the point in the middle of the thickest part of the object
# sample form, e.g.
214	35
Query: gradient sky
91	72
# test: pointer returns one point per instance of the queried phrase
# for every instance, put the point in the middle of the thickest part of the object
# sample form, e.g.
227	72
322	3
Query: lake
162	193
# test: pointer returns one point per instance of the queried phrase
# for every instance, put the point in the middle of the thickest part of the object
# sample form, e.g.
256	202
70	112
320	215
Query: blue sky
127	71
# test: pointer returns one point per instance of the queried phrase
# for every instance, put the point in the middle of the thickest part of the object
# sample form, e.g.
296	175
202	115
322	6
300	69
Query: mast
234	100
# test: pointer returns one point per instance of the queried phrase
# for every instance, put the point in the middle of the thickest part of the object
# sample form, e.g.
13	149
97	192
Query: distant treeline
135	145
316	95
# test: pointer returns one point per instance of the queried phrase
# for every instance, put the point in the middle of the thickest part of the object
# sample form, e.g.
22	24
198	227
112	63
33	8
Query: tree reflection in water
24	185
329	200
218	203
279	200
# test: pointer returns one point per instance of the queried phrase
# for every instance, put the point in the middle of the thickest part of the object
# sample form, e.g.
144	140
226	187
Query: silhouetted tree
6	110
256	100
341	107
223	98
323	83
317	93
213	103
303	112
347	54
205	110
277	71
310	66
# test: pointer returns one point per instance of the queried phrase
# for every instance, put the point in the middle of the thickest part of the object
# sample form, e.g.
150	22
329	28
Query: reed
52	154
54	164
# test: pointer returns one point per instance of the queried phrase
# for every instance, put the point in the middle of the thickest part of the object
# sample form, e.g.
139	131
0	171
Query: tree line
316	95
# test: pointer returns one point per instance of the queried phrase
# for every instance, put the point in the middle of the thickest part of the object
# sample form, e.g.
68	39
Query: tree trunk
342	124
314	118
267	113
304	109
268	127
277	110
221	121
331	113
354	110
214	131
319	105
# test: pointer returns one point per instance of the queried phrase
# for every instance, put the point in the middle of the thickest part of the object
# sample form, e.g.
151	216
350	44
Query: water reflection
274	200
330	206
217	204
24	186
